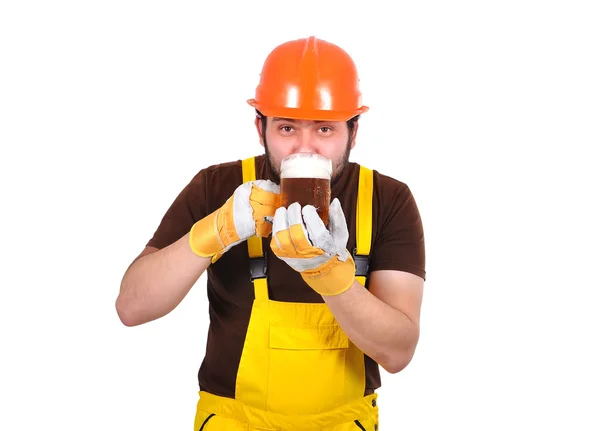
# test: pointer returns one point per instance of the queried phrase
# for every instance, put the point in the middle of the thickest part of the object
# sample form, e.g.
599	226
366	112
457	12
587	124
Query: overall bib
298	369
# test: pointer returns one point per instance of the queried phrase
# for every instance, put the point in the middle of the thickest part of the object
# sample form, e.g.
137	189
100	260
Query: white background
490	109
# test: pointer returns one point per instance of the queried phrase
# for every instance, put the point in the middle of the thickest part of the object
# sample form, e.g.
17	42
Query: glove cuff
331	278
204	237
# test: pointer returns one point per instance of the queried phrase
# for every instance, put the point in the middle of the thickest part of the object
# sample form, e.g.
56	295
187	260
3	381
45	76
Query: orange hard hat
309	79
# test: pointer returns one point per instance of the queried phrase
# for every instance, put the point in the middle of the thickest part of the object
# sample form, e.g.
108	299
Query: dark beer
305	178
307	191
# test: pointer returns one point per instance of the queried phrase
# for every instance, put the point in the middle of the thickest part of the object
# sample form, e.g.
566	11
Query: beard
338	165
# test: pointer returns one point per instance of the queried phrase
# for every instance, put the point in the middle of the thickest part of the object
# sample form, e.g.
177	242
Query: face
283	137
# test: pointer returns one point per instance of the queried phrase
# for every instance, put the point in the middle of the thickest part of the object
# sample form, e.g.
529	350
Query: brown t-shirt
397	244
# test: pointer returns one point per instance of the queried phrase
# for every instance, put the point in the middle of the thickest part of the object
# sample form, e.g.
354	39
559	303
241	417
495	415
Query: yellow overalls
298	369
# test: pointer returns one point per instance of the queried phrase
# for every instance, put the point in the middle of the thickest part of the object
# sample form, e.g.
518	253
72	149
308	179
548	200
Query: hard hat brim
307	114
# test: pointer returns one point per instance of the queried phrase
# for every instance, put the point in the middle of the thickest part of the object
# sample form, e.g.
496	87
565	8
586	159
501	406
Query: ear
258	124
354	132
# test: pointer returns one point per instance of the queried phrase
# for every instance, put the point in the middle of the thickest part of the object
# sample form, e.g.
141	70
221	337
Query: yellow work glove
301	239
248	212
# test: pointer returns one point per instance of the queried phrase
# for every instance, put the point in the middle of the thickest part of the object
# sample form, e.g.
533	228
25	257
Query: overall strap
258	262
364	224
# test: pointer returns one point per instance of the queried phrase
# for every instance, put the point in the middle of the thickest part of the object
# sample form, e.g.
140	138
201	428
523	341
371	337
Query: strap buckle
361	263
258	267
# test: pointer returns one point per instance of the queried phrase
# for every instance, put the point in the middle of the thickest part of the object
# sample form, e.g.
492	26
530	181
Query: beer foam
306	165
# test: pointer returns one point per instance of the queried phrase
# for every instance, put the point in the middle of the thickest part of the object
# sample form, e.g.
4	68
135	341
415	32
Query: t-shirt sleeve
399	244
187	208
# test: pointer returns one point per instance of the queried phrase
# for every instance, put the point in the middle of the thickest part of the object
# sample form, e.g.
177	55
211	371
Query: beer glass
306	179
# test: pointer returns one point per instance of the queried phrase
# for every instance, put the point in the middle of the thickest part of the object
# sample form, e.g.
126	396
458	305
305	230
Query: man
301	314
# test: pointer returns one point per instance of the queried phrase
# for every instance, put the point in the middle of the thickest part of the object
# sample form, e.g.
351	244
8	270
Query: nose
305	142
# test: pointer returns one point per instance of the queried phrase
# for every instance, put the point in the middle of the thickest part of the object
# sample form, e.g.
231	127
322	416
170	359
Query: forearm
382	332
157	282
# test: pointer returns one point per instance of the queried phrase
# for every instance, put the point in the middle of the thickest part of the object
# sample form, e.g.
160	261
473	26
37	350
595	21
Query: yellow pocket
306	368
206	421
307	338
357	425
